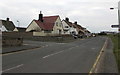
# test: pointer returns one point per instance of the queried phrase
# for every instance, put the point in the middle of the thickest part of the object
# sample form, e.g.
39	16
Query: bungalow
7	25
47	25
21	29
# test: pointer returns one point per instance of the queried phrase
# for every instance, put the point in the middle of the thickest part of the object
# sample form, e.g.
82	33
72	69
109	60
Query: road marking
53	54
12	68
71	47
98	58
93	48
60	43
58	52
25	44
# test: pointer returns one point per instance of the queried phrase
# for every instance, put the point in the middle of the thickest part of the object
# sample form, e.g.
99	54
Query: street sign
115	26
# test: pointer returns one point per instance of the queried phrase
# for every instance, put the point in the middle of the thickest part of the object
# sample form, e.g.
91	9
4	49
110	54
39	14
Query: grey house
7	25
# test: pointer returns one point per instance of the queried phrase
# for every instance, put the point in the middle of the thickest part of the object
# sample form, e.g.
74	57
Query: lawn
116	41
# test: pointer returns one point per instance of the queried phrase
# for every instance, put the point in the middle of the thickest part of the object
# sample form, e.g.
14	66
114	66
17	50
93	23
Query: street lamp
18	28
18	23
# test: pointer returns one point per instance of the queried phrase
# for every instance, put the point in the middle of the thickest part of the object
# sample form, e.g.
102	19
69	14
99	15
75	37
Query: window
47	31
66	27
56	23
60	24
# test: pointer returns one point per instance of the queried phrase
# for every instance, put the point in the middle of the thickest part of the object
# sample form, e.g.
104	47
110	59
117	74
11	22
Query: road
74	57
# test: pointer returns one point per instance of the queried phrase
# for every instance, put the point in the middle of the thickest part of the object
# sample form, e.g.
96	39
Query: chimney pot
75	22
7	19
67	19
41	16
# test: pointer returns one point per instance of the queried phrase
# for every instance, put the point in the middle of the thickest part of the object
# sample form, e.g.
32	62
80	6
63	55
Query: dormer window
66	27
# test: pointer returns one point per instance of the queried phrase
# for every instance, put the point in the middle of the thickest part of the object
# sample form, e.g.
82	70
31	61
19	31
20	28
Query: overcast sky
95	15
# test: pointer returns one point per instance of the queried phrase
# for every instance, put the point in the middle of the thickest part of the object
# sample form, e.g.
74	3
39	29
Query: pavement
107	57
75	57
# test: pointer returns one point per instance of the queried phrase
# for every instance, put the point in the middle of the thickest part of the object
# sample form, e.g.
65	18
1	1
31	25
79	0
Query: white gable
65	25
33	26
15	29
2	27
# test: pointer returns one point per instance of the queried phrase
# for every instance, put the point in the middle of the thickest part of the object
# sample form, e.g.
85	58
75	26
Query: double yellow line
98	58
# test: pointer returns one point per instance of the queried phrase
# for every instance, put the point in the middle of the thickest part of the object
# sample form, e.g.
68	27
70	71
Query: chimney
75	22
7	19
41	16
67	19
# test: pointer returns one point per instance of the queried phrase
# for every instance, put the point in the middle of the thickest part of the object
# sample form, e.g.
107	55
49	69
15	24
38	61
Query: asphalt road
74	57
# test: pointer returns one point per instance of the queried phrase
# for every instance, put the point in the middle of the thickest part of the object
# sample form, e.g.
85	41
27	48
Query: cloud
94	14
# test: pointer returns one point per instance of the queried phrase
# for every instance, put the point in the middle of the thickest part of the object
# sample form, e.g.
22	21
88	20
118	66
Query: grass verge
116	41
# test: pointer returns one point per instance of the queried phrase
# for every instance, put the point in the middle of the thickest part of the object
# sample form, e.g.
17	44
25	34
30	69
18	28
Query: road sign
115	26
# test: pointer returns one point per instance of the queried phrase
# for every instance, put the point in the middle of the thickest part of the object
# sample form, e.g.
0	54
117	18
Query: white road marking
58	52
12	68
77	46
60	43
45	46
93	48
53	54
71	47
25	44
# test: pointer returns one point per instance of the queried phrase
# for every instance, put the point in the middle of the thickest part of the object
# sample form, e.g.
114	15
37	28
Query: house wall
80	30
15	29
2	27
43	34
58	27
66	30
33	26
72	29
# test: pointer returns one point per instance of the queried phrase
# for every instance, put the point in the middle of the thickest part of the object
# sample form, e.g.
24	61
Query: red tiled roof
48	22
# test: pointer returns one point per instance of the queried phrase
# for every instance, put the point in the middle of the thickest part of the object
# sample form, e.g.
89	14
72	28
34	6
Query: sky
95	15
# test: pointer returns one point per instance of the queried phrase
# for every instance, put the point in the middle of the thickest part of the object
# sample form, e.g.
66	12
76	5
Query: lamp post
18	23
18	27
